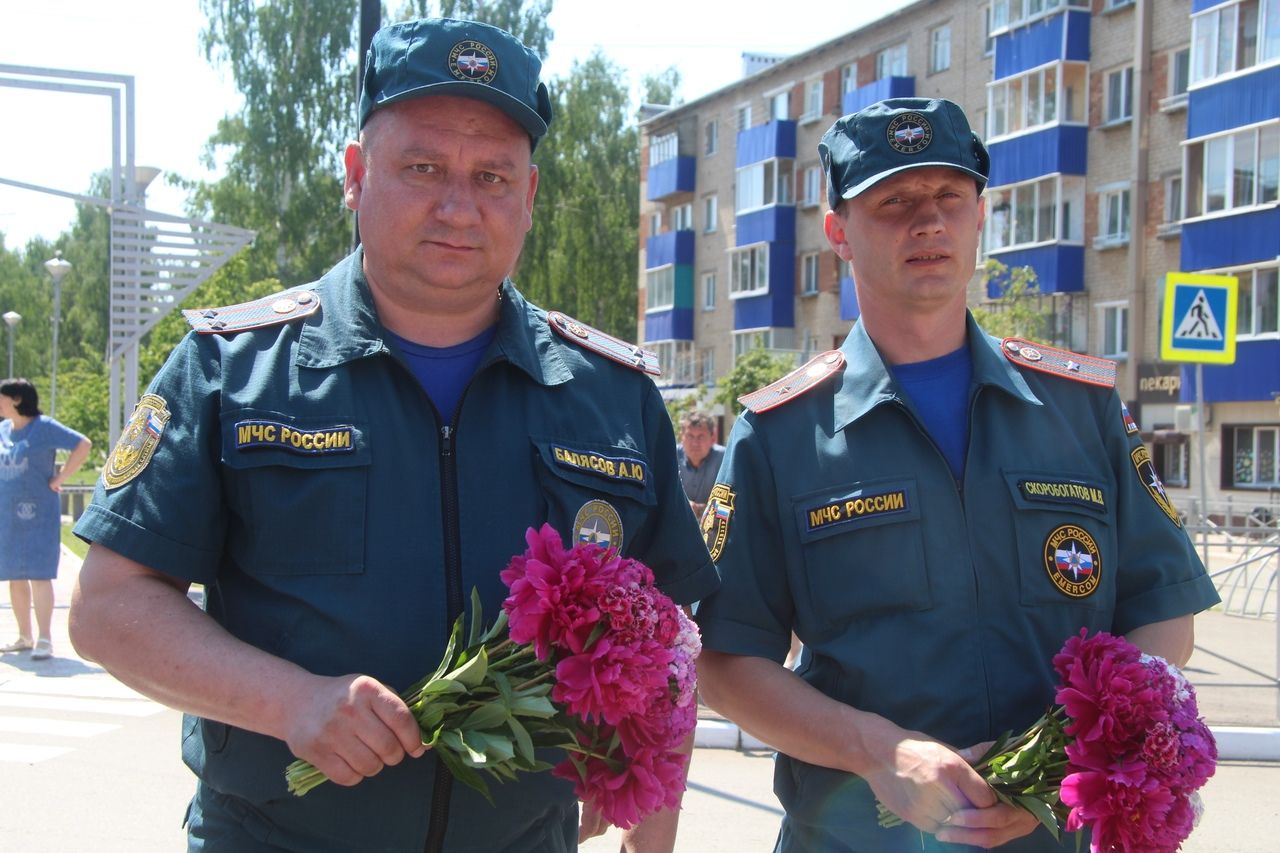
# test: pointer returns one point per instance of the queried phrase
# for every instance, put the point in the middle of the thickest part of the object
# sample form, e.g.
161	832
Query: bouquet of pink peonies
588	656
1121	754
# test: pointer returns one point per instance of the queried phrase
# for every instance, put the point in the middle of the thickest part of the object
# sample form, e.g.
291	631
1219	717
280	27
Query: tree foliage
754	369
1018	312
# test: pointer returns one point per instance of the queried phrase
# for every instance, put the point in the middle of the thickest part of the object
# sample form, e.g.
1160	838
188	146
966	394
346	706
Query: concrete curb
1235	743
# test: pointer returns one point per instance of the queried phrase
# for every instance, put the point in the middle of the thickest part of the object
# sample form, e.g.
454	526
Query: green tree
1018	312
581	256
752	370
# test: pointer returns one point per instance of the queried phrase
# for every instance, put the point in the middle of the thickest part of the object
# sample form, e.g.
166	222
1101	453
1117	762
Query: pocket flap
621	471
856	505
253	438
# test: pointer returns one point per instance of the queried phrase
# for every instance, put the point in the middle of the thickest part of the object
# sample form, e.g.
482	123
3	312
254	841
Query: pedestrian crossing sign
1199	318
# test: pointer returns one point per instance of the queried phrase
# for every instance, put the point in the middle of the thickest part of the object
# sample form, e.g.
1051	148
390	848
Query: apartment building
1128	138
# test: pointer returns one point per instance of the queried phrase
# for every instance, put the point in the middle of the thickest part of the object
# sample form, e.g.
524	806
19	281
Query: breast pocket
595	491
863	546
298	489
1065	539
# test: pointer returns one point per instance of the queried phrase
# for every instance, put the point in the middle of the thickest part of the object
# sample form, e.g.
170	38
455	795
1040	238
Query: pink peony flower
649	781
610	680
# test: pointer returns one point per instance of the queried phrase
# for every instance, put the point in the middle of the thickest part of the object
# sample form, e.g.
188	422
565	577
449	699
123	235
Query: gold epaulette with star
614	349
271	310
1060	362
809	375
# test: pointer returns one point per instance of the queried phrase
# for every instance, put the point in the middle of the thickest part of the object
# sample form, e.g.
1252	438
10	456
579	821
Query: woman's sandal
21	644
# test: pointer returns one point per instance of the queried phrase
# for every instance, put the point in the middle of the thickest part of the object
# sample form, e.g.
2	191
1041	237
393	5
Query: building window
1034	212
1258	302
1235	170
940	49
655	223
988	43
1172	459
675	360
780	106
1180	71
1011	13
749	271
1116	4
772	339
1113	319
1113	216
1233	37
710	214
848	79
1254	458
1119	96
707	366
1172	223
765	183
892	62
812	100
809	274
664	148
811	188
1036	99
708	291
744	117
682	217
711	138
660	288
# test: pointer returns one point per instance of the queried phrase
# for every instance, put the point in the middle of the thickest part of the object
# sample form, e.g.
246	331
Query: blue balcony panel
1254	376
669	177
887	87
848	300
777	308
675	324
1059	268
1234	103
669	247
1205	5
765	142
1060	148
766	225
1231	240
1051	39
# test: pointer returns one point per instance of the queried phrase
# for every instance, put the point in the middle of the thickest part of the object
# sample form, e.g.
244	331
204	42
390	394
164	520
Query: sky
59	140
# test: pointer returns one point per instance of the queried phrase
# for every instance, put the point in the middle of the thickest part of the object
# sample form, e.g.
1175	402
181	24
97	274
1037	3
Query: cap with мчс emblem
444	56
863	148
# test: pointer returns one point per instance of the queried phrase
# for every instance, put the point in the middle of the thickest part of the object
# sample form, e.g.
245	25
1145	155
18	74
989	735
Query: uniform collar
867	383
347	327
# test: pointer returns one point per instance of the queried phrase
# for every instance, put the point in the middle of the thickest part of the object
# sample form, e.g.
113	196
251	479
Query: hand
989	827
925	783
55	484
593	823
352	726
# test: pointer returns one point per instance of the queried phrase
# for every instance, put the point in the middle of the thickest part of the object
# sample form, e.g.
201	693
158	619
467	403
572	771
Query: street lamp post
11	319
58	269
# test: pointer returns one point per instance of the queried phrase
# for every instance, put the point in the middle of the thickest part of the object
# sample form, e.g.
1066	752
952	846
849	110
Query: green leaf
524	744
496	747
462	772
473	636
487	716
471	673
498	629
1042	812
533	706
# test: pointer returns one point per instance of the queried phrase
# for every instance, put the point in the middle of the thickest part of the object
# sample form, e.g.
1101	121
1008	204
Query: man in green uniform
341	464
933	512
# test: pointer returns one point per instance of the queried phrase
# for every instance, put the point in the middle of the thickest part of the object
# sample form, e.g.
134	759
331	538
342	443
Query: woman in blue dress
30	511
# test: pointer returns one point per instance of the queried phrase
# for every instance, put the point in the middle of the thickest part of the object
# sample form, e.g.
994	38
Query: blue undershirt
939	391
443	372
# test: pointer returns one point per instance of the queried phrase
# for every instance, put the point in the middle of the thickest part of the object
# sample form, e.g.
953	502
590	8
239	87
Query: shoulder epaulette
614	349
271	310
809	375
1060	362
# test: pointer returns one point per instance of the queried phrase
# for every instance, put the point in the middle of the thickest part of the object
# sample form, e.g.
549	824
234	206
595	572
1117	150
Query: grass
76	544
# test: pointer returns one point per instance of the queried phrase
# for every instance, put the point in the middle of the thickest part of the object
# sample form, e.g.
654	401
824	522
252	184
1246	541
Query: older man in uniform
934	512
339	465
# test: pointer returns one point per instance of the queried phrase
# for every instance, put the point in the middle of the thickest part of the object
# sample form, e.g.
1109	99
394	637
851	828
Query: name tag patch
256	434
854	508
610	467
1063	491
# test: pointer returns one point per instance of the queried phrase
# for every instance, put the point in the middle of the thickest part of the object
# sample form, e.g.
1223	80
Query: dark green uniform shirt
351	552
935	604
